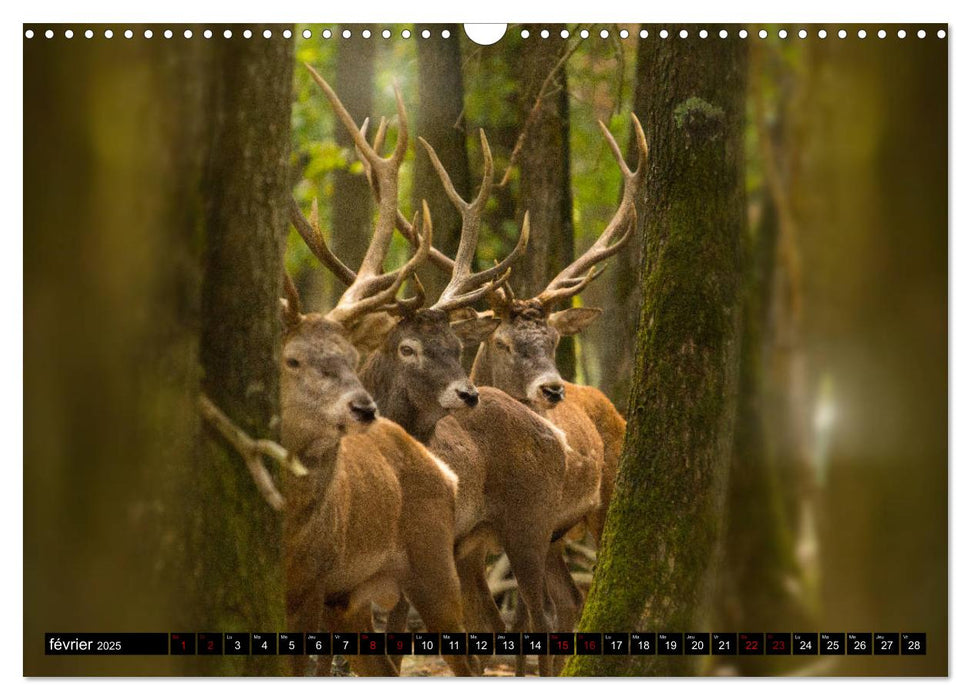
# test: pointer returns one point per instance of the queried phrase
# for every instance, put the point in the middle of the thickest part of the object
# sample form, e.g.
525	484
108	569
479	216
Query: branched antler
349	309
466	287
384	170
370	288
582	271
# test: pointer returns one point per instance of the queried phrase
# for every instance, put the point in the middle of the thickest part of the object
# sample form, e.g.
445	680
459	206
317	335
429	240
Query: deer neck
305	494
395	406
394	402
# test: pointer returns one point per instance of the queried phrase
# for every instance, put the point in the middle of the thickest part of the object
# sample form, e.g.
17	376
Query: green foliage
601	89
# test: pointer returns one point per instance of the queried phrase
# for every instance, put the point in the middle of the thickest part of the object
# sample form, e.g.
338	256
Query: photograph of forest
595	329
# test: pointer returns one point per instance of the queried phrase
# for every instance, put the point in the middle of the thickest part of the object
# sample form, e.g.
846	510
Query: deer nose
552	392
363	409
470	396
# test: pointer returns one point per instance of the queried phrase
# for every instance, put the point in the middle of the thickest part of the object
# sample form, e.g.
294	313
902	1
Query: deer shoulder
606	419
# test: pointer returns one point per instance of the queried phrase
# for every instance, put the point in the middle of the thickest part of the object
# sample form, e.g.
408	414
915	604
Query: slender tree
762	583
621	313
351	204
441	122
544	170
759	586
660	542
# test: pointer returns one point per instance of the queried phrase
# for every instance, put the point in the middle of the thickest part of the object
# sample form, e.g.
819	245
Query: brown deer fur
374	518
511	463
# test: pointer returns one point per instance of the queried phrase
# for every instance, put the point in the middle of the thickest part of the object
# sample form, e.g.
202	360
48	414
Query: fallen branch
582	550
499	571
252	451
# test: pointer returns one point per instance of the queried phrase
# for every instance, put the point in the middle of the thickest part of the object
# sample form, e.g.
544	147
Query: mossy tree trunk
659	547
441	121
238	545
544	167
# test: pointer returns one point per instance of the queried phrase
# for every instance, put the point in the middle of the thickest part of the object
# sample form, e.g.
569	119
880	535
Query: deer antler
311	234
351	307
384	171
582	271
405	227
466	287
370	288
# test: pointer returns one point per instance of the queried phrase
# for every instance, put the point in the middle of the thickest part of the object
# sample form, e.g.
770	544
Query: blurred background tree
153	275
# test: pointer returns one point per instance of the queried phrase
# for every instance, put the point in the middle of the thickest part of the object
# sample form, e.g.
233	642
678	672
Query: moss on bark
237	545
655	568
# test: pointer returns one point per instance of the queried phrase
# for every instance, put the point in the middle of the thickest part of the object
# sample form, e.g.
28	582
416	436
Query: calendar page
462	350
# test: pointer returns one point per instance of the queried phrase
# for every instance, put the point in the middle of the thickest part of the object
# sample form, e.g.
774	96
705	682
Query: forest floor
430	666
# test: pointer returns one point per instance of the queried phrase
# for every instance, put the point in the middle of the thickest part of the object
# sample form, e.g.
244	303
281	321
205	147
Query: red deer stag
519	356
511	463
375	517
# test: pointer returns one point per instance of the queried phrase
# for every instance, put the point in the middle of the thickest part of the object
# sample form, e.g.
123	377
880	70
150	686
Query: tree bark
623	276
544	167
660	541
148	279
351	224
441	122
246	192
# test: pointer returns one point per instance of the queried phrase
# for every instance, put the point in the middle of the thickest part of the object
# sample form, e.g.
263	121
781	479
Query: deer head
321	397
320	384
414	370
519	357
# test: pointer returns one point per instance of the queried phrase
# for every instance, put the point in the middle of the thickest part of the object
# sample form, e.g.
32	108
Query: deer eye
502	346
406	350
293	362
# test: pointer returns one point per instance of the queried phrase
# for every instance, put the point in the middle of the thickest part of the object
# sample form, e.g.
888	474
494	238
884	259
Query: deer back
510	463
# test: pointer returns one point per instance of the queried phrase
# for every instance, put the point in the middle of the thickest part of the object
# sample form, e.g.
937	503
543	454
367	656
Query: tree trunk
660	542
246	192
117	476
544	167
351	224
441	122
759	570
623	277
764	584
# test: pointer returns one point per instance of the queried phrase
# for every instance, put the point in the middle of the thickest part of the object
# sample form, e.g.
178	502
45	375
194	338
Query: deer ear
463	313
572	321
473	331
291	316
369	334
